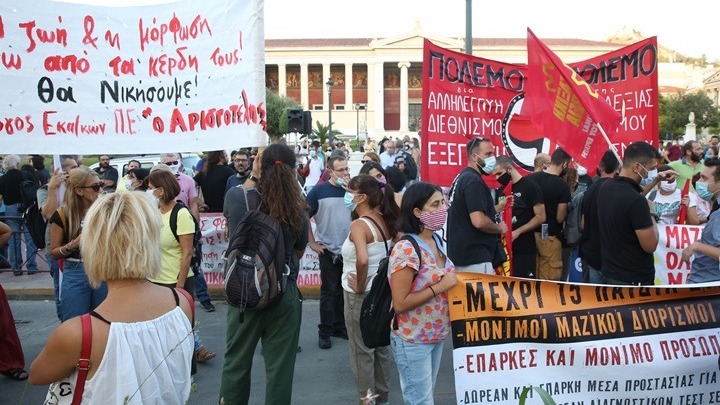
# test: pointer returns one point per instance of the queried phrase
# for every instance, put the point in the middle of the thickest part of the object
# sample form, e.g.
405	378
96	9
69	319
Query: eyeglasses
346	169
365	161
96	187
173	163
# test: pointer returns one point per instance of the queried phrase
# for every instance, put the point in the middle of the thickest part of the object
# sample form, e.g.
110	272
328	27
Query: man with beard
528	212
473	225
108	174
241	163
689	165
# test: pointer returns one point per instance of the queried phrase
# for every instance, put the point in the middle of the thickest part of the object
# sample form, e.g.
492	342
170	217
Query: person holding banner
690	164
628	232
667	200
419	293
704	267
473	225
528	212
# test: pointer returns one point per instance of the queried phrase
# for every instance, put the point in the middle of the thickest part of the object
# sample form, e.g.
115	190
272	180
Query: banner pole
612	147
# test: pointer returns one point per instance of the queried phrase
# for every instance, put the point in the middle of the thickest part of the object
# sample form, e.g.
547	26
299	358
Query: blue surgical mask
702	189
340	181
348	199
312	154
489	165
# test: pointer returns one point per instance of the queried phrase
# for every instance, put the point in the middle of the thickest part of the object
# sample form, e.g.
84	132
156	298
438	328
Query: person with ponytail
372	233
278	326
419	292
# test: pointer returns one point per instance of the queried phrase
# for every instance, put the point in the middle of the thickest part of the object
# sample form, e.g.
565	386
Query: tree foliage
675	110
277	107
322	132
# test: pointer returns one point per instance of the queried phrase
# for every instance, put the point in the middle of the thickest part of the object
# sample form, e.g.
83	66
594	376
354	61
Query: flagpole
607	139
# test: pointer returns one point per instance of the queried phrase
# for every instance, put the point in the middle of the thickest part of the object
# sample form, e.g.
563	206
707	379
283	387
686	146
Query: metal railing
19	247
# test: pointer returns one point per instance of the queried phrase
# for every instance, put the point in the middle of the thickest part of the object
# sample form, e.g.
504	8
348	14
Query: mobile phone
544	235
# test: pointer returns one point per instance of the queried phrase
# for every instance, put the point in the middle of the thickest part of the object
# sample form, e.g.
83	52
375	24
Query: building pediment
714	78
415	40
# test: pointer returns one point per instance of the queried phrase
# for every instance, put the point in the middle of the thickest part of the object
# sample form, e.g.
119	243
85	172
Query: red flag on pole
570	112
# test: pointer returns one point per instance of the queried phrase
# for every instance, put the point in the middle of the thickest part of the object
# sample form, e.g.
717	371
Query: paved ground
321	376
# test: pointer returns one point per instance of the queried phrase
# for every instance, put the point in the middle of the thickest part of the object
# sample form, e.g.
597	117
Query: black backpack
30	210
196	259
376	311
29	186
256	269
411	169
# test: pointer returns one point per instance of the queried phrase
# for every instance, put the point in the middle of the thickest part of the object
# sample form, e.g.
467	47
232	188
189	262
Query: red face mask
435	220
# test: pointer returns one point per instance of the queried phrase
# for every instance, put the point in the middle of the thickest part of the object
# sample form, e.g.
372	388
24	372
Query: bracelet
433	291
253	178
64	253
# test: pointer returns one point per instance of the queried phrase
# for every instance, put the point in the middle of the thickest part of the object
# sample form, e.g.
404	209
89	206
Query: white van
120	163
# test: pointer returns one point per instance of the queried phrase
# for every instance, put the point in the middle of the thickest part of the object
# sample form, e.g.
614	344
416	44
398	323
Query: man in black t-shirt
528	213
628	232
590	239
213	181
108	174
473	227
556	195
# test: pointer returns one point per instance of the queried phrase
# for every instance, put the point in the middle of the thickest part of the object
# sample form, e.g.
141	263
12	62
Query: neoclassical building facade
376	86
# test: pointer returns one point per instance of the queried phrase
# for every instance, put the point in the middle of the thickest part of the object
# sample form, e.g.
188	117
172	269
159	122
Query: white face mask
667	186
128	184
151	193
174	168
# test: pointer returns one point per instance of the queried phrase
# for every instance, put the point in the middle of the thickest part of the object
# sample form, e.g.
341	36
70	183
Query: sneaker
208	306
324	342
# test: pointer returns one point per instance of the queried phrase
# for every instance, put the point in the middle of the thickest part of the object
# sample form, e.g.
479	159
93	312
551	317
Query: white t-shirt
668	206
315	172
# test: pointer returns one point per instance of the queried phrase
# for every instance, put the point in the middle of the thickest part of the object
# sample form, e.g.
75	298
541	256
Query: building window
339	107
317	107
414	117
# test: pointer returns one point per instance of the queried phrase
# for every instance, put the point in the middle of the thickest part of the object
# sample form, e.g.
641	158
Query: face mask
382	180
667	186
174	168
563	172
489	165
702	189
340	181
435	220
151	193
504	179
128	184
652	174
581	171
312	154
349	201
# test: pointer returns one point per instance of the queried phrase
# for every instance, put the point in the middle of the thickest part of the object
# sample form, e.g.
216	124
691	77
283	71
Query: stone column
378	88
304	99
282	79
348	87
404	95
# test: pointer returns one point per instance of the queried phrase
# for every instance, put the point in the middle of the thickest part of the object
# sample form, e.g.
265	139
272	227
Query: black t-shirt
590	239
110	174
526	195
213	186
466	244
10	187
555	192
621	211
55	219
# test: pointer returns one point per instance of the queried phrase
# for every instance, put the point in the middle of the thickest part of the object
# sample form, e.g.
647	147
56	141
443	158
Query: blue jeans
76	295
55	274
15	243
418	365
201	291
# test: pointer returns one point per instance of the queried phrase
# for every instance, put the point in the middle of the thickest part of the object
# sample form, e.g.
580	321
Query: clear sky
687	26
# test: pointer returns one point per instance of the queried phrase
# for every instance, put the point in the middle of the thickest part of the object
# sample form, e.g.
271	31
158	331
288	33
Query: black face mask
504	179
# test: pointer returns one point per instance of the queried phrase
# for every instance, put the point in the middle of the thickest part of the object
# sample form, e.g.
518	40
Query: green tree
675	110
322	132
277	107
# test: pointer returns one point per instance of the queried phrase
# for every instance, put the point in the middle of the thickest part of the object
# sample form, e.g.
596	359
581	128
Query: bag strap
387	249
83	364
189	298
173	220
416	246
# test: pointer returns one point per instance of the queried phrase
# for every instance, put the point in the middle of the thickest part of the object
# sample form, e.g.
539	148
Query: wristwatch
656	216
253	178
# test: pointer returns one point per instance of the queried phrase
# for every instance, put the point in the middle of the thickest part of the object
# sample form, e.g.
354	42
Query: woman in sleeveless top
372	232
78	296
142	340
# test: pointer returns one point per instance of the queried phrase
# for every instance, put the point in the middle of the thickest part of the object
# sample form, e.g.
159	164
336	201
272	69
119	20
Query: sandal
202	355
17	374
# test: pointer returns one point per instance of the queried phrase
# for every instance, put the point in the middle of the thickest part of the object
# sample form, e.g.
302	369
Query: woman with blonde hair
141	339
77	295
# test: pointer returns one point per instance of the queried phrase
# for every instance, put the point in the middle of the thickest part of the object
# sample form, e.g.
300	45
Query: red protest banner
466	96
566	107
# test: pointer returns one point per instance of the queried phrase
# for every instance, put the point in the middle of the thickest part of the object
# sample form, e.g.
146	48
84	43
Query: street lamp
357	121
329	85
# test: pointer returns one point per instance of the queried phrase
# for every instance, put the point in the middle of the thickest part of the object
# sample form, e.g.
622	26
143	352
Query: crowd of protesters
610	214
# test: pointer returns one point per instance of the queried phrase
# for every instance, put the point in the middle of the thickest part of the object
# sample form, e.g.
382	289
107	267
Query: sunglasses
173	163
475	142
96	187
365	161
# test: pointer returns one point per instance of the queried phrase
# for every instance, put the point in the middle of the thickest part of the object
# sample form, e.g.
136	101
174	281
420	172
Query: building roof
481	42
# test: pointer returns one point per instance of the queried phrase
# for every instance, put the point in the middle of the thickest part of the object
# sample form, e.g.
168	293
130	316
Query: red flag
565	106
682	214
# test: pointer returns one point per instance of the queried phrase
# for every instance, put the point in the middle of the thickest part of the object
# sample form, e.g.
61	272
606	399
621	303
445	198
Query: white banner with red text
183	76
212	227
583	343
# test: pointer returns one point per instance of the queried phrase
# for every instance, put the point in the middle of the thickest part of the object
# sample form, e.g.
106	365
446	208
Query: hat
399	159
199	165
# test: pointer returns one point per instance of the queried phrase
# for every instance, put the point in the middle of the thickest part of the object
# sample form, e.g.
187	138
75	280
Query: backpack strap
387	249
83	364
416	246
174	218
